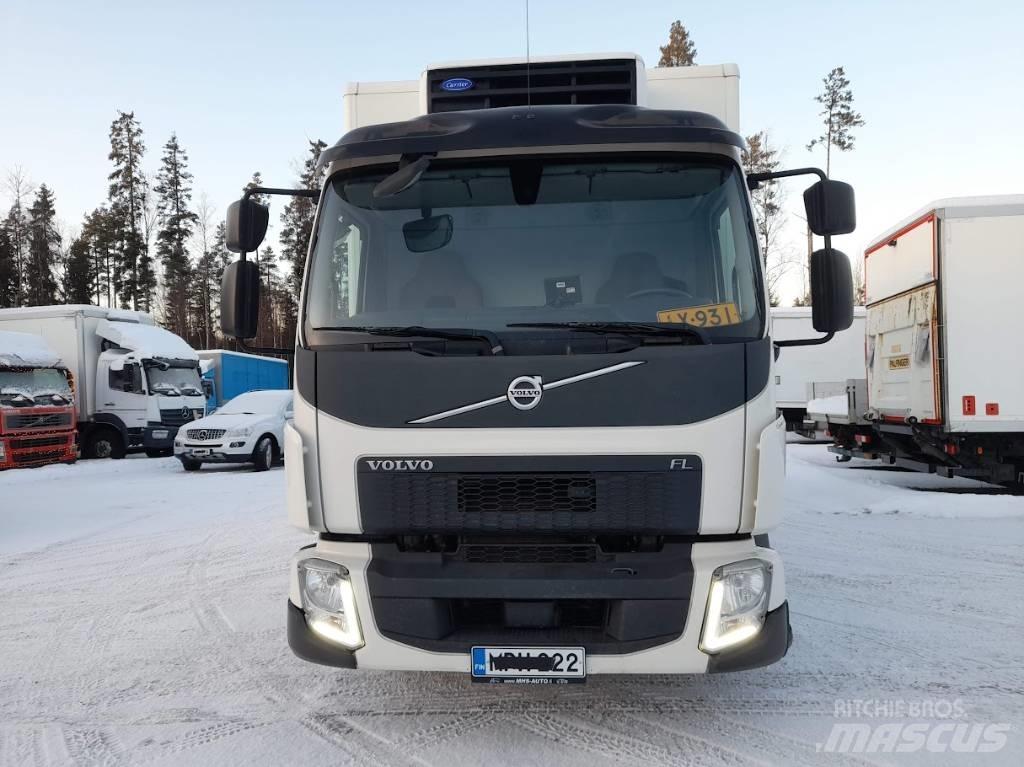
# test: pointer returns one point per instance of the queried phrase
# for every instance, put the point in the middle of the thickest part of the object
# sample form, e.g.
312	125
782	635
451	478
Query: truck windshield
174	381
39	386
486	246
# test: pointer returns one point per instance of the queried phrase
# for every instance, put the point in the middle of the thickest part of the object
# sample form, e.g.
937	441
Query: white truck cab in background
135	383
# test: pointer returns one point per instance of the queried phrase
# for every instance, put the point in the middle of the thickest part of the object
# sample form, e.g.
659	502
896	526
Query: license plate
160	433
529	665
706	316
200	451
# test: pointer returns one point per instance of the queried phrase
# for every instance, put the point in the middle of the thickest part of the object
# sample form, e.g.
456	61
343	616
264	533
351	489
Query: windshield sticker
706	316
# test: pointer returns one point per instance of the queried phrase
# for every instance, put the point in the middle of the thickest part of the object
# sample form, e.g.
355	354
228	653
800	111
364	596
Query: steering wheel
659	292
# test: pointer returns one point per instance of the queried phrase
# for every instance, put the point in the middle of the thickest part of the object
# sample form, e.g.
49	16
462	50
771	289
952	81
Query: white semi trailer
135	383
798	369
535	432
945	376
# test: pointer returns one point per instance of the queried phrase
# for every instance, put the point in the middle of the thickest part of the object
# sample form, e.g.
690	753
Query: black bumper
151	442
216	457
310	647
766	648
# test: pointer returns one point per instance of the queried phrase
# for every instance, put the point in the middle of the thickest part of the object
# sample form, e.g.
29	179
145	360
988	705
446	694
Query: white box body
944	316
799	366
713	89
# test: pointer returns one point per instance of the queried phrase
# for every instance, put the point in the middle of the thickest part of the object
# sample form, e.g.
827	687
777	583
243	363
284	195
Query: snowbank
834	405
25	350
147	340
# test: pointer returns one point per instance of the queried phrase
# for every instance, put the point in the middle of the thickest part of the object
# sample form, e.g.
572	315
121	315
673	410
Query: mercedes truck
135	383
535	432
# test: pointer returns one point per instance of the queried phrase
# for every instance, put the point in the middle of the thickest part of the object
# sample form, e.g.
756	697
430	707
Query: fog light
329	602
237	444
737	604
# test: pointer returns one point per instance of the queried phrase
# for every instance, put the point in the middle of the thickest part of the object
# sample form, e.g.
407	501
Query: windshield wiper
675	330
451	334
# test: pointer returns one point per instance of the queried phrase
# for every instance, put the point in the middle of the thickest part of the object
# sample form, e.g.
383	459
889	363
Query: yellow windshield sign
706	316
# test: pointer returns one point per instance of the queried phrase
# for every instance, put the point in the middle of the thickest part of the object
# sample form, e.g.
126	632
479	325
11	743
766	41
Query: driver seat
633	272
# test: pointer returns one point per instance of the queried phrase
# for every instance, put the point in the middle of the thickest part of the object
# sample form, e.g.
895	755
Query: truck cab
37	409
533	410
136	383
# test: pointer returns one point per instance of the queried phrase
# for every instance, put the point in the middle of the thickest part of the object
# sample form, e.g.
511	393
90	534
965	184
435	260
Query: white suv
248	429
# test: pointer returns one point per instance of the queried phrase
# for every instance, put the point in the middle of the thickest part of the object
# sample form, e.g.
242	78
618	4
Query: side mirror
240	299
831	291
830	208
246	225
430	233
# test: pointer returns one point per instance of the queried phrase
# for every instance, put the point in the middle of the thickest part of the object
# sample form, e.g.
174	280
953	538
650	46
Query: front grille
619	495
539	554
509	493
44	421
205	434
39	442
26	458
178	416
609	81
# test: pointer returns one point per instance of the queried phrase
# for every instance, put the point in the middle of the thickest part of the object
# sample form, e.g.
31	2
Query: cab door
120	391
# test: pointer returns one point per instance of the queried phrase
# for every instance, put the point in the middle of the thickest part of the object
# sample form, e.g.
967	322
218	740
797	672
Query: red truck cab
37	405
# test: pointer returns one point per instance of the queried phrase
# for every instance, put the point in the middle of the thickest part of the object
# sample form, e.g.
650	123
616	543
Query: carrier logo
456	84
524	393
401	464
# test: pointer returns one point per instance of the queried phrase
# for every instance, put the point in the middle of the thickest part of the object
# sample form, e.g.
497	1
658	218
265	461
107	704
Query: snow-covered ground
143	621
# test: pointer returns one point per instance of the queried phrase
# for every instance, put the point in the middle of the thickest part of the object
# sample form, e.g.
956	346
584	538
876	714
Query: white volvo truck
135	383
535	431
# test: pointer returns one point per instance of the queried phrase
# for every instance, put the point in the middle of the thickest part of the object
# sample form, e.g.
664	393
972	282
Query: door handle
109	404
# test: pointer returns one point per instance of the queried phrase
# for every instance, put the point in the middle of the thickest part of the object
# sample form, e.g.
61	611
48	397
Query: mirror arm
754	181
250	191
264	349
806	341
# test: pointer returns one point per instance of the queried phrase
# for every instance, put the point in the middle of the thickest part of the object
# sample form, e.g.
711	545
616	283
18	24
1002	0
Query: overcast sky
245	84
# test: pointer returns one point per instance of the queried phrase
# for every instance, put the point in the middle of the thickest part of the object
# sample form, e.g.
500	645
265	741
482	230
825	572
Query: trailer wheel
105	443
263	454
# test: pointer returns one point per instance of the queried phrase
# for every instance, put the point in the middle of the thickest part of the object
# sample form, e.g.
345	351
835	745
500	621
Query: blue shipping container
234	373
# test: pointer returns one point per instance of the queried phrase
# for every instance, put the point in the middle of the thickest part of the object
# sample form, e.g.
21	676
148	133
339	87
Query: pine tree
257	180
43	250
838	116
19	189
680	51
16	227
134	279
78	272
8	272
174	192
761	157
99	231
297	229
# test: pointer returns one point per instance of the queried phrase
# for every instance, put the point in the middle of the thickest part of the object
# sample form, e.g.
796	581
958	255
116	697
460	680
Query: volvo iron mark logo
524	393
456	84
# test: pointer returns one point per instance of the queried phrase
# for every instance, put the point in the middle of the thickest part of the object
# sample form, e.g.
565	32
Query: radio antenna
528	104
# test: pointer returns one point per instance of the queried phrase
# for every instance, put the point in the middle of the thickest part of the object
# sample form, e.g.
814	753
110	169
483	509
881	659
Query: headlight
329	602
737	603
239	431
